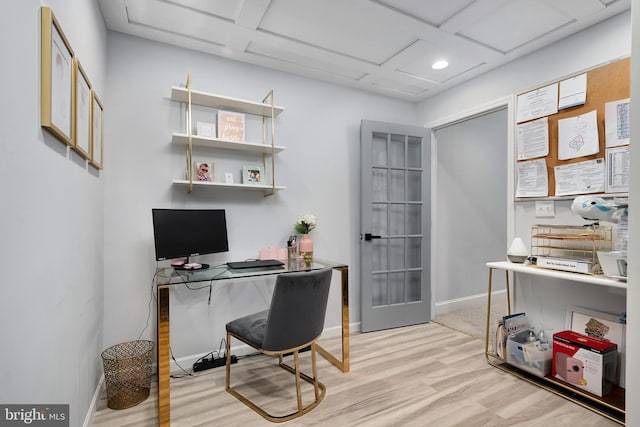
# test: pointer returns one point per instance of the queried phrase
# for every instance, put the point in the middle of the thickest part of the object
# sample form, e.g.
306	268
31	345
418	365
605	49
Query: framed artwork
203	170
56	79
252	174
82	101
97	131
230	126
600	325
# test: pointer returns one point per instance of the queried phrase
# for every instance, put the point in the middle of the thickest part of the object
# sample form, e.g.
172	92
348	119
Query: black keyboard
258	263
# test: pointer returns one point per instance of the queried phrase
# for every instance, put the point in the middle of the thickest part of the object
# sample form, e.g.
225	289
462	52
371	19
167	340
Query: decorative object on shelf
203	170
517	251
208	130
56	79
305	224
252	174
228	177
231	126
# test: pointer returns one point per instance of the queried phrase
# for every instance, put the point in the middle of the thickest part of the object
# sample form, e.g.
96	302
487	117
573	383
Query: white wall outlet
545	208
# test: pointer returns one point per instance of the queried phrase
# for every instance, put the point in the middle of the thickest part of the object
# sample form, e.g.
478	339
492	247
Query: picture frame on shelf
228	178
97	131
56	79
206	130
252	174
231	126
82	103
598	324
203	170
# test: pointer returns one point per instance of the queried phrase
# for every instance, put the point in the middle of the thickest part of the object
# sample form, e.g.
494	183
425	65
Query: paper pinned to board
578	136
616	123
573	91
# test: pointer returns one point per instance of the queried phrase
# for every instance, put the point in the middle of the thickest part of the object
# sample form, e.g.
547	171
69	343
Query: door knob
369	236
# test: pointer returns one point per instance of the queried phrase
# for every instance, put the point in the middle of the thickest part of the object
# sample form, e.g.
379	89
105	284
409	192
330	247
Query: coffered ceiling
382	46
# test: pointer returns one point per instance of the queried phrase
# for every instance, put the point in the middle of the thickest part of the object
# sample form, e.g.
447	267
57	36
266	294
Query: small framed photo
97	131
252	174
82	102
203	170
228	177
597	324
56	79
207	130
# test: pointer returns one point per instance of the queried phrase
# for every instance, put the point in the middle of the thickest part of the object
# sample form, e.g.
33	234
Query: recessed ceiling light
439	65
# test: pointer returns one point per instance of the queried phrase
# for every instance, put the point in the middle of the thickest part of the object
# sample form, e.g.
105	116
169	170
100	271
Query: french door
395	225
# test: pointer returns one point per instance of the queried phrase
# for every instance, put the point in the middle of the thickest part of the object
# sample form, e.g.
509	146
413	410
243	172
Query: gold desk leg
344	364
486	340
164	360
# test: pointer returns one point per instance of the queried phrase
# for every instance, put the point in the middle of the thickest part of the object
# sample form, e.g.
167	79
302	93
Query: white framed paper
82	103
97	132
56	79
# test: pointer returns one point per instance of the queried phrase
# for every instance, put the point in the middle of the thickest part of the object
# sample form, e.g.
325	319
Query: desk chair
294	321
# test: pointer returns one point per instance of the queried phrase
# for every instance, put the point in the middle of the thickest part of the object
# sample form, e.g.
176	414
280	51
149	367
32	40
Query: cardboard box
529	354
585	362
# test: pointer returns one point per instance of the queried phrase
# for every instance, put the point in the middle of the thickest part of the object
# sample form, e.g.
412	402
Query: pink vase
306	247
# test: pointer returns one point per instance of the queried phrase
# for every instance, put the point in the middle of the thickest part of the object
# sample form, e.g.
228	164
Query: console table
168	277
611	406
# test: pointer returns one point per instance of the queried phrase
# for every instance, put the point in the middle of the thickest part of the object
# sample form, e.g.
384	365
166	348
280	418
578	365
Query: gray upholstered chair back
297	311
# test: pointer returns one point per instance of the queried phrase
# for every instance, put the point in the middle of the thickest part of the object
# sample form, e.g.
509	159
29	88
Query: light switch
545	209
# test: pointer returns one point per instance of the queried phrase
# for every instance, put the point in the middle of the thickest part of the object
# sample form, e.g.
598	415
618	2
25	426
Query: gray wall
470	205
51	223
320	129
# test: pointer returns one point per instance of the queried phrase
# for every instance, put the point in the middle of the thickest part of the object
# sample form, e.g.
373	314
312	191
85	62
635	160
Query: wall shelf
266	148
201	141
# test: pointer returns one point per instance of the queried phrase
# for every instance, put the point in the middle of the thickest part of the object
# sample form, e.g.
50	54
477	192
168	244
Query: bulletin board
606	83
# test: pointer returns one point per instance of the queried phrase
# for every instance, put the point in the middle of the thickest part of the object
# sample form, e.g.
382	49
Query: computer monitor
183	233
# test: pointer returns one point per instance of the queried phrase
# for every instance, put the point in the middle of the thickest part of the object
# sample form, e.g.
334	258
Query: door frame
498	104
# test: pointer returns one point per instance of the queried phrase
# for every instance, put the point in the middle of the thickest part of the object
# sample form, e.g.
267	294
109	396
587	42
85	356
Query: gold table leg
164	358
343	364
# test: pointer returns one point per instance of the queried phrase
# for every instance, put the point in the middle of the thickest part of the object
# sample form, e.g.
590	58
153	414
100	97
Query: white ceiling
382	46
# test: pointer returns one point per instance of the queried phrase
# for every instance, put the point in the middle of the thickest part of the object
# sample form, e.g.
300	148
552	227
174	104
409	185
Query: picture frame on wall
598	324
252	174
56	79
97	131
82	101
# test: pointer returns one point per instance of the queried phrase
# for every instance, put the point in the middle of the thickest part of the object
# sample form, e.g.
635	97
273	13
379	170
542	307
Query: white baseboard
470	302
92	407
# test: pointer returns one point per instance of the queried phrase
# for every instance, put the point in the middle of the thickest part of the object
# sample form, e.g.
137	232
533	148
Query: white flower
306	223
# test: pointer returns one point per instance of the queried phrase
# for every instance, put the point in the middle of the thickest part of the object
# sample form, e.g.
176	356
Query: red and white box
585	362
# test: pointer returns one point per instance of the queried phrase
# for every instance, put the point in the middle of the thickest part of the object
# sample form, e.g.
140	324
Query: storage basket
127	373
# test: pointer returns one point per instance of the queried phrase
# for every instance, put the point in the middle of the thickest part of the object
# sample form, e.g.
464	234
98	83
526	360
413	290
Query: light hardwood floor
425	375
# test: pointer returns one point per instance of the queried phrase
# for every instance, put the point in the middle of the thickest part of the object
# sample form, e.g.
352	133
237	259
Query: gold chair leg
296	363
319	388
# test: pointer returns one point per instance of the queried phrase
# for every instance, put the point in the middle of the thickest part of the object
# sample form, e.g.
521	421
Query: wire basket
127	373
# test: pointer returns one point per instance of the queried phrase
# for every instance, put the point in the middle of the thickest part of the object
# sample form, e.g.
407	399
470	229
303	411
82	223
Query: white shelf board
181	94
261	187
201	141
557	274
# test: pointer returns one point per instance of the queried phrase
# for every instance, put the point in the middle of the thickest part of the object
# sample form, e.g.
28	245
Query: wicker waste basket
127	373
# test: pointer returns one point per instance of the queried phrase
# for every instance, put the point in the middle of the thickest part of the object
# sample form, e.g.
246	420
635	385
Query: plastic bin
127	373
529	355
